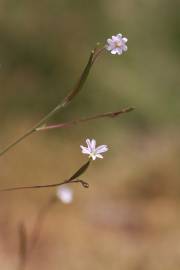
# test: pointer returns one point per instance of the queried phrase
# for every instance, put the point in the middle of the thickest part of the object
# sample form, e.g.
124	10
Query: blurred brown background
129	218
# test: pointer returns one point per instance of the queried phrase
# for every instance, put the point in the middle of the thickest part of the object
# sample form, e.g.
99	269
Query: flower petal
109	41
108	47
125	39
114	51
101	149
114	38
99	156
85	150
124	47
93	144
119	35
89	144
119	51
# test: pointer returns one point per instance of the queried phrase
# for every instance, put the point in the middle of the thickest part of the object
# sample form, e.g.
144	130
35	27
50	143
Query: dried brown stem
81	120
72	179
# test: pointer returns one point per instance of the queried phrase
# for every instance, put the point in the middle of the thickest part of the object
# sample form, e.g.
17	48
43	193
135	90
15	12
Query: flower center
93	154
118	44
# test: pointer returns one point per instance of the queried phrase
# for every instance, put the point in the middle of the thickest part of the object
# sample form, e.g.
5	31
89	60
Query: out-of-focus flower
65	194
91	149
117	44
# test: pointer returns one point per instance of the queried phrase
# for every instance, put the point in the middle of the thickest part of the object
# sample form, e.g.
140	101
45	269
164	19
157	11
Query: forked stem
60	106
90	118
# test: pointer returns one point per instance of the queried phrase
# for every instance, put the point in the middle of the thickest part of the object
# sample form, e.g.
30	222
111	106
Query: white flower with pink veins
93	151
117	44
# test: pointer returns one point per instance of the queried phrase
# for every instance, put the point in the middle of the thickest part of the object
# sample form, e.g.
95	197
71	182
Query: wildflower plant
115	45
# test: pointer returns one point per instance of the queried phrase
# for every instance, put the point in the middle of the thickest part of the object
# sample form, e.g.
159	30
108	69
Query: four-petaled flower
65	194
92	151
117	44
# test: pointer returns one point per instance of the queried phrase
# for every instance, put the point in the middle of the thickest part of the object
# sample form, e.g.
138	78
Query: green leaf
80	171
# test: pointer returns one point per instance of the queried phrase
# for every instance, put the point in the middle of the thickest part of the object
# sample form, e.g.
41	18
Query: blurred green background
129	218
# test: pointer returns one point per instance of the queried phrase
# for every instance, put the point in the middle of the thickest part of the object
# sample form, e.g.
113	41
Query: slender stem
22	246
33	129
83	183
7	148
72	179
60	106
98	53
39	221
90	118
36	186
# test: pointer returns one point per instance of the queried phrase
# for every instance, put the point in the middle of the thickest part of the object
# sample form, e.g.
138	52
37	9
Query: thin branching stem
83	183
90	118
60	106
98	52
73	179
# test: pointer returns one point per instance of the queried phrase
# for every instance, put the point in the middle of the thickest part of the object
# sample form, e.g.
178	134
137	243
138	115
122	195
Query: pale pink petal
108	47
93	144
99	156
115	38
114	51
119	51
109	41
119	36
85	150
125	39
89	144
125	48
101	149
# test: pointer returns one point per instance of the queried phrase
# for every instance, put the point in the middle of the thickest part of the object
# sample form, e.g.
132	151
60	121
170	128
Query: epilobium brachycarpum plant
116	45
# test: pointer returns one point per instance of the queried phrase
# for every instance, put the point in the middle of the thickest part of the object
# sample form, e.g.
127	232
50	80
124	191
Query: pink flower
117	44
93	151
